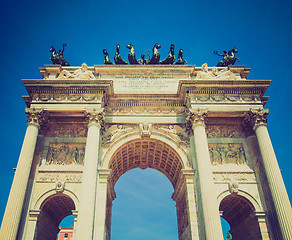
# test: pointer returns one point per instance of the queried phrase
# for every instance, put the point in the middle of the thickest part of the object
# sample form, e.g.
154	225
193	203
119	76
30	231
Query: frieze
227	153
57	129
143	111
65	154
65	98
227	98
234	177
214	131
59	177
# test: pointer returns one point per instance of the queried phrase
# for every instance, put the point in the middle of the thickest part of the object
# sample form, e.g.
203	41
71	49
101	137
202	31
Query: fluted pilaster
213	229
100	231
88	189
12	215
257	119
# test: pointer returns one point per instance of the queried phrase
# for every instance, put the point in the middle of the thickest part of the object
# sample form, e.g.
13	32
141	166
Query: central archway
152	153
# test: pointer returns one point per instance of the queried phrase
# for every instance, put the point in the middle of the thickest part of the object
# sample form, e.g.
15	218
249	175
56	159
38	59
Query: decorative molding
60	186
65	154
212	98
224	131
95	116
227	153
195	117
145	111
36	116
75	177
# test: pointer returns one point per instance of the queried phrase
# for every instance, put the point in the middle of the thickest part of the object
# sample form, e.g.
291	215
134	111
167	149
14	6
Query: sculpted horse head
131	55
156	55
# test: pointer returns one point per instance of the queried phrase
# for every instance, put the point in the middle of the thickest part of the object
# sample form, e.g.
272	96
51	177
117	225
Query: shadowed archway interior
240	214
53	211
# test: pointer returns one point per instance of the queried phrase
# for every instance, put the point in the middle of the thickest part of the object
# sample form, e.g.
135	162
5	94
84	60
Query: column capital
36	116
256	117
95	116
196	117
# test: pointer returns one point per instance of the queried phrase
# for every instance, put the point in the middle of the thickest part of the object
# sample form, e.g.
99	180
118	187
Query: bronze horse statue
118	59
107	60
180	59
170	57
131	55
57	57
228	58
156	55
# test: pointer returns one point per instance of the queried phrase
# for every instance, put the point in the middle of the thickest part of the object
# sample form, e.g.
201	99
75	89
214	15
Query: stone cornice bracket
255	118
36	117
195	117
94	116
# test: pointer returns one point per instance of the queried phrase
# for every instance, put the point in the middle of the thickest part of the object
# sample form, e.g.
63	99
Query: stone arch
107	156
154	152
52	211
52	192
239	212
244	194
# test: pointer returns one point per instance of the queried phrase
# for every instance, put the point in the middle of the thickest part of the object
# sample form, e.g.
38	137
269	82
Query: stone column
84	229
100	230
12	215
279	194
212	223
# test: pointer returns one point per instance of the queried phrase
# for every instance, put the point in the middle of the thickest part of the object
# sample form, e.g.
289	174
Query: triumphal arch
204	128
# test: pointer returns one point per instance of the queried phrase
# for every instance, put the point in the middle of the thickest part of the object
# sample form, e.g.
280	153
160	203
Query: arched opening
240	214
53	211
143	208
150	153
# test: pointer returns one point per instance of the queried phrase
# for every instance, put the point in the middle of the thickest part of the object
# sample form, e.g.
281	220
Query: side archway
52	211
239	212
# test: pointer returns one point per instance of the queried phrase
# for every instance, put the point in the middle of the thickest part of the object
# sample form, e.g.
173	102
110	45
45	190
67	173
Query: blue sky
261	31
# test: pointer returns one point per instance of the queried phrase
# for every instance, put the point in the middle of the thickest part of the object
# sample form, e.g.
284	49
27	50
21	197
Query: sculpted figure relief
227	153
83	74
216	74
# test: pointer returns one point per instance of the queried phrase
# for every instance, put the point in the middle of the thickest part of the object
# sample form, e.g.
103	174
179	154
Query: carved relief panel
65	154
227	153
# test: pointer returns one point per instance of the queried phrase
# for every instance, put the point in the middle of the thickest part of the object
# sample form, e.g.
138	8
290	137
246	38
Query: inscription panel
146	84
